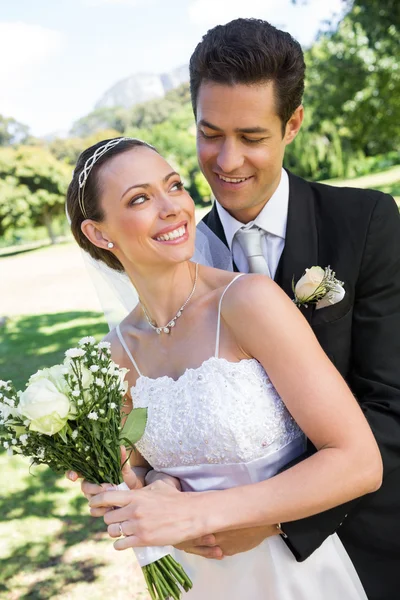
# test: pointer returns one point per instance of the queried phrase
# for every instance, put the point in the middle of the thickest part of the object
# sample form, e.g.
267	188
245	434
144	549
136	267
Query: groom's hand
228	543
153	476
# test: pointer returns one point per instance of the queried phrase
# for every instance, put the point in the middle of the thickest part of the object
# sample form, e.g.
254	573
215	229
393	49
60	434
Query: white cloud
101	2
302	20
23	46
26	50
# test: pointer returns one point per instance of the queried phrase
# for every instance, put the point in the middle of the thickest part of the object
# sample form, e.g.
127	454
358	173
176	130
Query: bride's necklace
167	328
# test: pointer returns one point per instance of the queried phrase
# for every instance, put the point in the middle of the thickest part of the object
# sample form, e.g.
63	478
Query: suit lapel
301	244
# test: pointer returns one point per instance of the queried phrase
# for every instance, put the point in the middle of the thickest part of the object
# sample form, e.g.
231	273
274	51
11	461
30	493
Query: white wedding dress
222	425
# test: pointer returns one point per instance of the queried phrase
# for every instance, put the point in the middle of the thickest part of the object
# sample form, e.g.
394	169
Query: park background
49	546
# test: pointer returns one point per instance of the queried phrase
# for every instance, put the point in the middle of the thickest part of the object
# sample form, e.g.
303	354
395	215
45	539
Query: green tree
68	149
33	187
351	95
12	131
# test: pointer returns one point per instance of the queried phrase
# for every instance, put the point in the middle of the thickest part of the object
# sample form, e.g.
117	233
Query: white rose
45	406
309	283
54	374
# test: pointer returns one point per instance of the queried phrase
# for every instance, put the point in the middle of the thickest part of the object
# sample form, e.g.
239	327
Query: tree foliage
12	131
351	127
33	187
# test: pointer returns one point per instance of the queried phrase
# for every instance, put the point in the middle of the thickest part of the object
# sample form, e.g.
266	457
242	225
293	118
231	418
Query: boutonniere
318	286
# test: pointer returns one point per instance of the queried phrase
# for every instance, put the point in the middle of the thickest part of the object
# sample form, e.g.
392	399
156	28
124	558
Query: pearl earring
110	245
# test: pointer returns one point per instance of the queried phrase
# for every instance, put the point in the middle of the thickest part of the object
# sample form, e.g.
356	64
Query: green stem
149	583
173	564
157	583
174	589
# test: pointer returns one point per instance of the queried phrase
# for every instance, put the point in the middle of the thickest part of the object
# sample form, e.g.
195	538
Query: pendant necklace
167	328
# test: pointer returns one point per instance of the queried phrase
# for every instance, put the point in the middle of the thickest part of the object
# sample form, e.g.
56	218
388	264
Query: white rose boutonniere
318	286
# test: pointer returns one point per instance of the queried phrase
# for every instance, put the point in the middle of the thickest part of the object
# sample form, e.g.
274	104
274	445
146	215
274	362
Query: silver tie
250	242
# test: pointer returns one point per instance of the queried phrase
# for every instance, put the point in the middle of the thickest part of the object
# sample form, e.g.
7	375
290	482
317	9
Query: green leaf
63	435
135	425
19	430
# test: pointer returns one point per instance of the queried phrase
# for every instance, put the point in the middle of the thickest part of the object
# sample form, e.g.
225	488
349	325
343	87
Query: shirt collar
272	218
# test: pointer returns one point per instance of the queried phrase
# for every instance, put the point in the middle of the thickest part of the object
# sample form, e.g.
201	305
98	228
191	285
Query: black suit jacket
357	233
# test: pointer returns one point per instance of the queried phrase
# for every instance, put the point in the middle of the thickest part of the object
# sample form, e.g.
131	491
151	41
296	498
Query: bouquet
69	417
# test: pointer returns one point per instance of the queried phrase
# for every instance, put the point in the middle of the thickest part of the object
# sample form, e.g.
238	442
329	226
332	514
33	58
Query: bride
234	381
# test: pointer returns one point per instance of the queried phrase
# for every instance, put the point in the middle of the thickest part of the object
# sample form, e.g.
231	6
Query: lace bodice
218	413
221	412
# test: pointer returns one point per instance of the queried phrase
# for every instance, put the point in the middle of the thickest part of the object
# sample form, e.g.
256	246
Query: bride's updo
83	195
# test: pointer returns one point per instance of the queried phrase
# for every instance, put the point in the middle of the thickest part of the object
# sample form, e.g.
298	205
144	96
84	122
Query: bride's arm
269	327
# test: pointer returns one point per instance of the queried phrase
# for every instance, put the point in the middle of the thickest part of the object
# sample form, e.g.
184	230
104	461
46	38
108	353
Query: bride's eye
178	185
138	200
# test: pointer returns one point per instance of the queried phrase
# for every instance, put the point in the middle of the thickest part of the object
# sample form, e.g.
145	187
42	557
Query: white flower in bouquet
7	410
45	406
54	374
89	339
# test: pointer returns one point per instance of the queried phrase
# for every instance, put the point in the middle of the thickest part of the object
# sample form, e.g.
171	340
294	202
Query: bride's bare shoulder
250	290
216	279
127	332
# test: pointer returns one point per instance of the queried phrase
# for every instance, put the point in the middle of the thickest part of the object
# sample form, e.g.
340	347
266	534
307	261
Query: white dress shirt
272	220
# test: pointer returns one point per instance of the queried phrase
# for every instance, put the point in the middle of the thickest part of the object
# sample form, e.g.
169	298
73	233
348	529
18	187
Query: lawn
31	342
386	181
50	547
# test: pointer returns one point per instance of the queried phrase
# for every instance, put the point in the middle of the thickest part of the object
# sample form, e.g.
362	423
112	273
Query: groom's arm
375	373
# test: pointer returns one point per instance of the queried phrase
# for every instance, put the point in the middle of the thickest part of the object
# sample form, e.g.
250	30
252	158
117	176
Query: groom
247	82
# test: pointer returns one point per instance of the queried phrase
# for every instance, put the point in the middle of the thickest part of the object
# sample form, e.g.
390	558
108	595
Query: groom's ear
94	234
294	124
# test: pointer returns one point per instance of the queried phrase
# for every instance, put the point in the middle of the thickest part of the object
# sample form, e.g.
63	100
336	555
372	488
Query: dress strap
219	313
125	347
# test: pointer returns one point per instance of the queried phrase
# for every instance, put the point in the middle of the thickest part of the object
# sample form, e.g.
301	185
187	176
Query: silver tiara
84	174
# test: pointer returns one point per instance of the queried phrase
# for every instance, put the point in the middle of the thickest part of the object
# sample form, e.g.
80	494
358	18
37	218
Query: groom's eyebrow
209	125
147	185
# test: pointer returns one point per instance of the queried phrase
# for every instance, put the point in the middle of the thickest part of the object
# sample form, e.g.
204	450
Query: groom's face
240	144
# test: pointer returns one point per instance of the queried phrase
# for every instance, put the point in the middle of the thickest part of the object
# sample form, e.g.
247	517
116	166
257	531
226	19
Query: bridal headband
91	161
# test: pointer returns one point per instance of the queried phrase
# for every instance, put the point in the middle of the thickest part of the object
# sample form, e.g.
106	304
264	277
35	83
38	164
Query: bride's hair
84	203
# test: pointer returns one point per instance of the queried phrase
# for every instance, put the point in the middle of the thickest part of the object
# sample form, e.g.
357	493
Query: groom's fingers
204	551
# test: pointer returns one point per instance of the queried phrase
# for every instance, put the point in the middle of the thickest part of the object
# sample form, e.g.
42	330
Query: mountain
142	87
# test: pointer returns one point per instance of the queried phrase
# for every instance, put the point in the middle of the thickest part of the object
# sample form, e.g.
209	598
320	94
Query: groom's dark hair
250	51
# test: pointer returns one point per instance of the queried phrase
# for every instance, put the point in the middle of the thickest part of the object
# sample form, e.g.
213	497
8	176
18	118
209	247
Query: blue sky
60	56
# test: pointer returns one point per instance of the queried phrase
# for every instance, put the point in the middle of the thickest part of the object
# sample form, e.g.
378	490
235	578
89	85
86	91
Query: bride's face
149	216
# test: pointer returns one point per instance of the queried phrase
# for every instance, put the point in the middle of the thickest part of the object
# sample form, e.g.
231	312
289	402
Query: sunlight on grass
50	547
31	342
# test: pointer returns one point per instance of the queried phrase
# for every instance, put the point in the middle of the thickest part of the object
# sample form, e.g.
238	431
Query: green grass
386	181
28	343
50	547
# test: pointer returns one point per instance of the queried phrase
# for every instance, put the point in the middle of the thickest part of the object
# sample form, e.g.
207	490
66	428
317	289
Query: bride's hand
157	515
92	489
